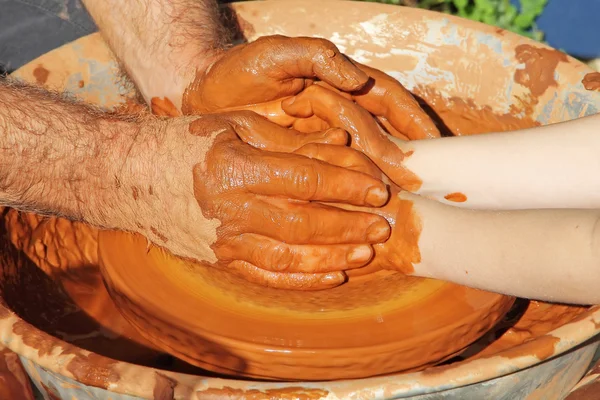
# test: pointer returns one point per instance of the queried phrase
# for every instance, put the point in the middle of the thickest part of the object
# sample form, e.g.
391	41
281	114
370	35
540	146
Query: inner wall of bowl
453	56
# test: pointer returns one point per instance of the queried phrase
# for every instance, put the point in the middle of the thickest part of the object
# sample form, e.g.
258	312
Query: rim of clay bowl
136	380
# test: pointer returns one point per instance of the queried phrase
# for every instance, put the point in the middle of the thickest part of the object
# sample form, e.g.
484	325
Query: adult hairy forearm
60	157
161	43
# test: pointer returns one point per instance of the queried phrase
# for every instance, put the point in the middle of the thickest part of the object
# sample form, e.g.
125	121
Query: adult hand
275	67
223	202
394	106
401	251
270	68
386	151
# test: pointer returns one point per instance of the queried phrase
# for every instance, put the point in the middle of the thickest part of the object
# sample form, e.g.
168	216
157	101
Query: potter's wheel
372	325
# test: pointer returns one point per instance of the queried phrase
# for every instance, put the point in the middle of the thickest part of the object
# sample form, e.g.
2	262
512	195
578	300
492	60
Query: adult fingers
270	110
389	128
287	281
305	57
265	135
366	134
340	112
272	255
298	177
341	156
309	125
384	96
302	223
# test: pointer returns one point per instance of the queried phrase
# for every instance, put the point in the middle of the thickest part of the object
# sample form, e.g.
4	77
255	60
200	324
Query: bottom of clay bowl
372	325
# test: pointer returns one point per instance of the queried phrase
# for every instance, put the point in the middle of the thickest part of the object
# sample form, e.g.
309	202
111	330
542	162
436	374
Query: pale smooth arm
551	255
555	166
161	43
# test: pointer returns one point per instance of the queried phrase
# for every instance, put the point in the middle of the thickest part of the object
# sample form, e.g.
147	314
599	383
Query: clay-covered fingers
302	223
366	135
305	57
270	68
286	281
341	156
273	255
270	110
389	128
339	111
263	134
385	97
297	177
310	125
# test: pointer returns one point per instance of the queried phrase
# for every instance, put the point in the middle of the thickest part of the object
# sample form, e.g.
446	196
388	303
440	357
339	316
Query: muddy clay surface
50	275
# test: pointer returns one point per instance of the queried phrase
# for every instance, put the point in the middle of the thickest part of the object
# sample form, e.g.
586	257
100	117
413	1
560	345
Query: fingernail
360	254
336	136
288	102
333	279
376	196
378	232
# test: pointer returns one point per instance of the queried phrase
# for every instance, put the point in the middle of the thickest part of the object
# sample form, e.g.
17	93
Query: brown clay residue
459	117
41	74
401	251
14	382
528	321
135	193
540	65
544	348
591	391
164	387
81	84
591	81
164	107
89	368
295	393
456	197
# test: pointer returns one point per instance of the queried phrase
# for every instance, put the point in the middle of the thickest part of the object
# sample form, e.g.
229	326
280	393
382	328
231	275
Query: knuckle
282	259
324	45
298	226
307	181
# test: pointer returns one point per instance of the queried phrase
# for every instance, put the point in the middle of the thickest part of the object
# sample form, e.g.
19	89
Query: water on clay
72	303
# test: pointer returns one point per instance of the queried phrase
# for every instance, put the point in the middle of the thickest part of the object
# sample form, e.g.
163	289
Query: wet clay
282	329
246	296
375	296
280	64
297	393
460	117
50	278
14	382
456	197
528	320
540	64
591	81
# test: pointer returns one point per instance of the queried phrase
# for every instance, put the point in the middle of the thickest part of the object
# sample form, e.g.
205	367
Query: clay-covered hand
270	68
401	251
386	151
392	104
216	199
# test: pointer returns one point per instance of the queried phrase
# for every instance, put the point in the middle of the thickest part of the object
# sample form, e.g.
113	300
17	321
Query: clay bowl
374	324
539	350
